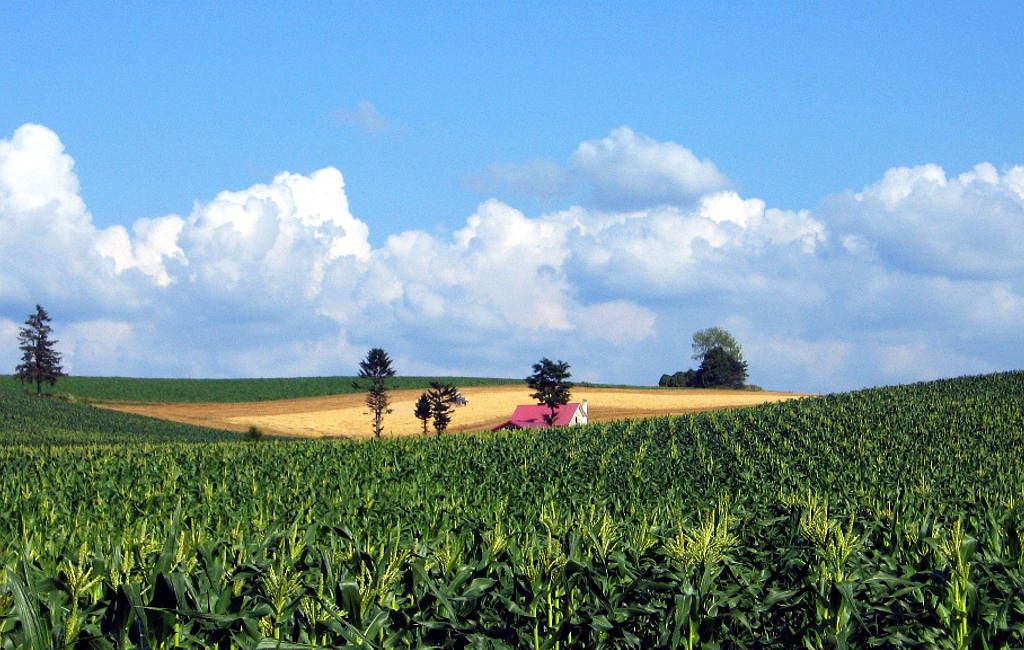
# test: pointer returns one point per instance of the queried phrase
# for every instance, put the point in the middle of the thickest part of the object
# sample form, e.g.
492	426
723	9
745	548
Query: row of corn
779	577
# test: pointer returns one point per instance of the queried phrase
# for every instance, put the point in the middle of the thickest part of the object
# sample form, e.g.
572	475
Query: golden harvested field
347	415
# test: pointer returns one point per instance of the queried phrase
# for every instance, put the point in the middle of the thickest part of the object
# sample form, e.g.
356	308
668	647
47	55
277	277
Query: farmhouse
531	416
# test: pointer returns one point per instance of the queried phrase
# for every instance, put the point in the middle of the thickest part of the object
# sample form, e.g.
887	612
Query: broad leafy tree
40	362
721	362
722	369
550	381
441	398
715	337
374	371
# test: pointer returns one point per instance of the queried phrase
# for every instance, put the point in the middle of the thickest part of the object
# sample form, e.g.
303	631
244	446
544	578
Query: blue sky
592	184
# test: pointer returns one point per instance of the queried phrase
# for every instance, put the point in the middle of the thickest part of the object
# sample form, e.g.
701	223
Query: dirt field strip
489	406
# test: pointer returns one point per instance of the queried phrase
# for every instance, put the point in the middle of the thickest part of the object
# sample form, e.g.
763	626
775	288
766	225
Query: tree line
721	363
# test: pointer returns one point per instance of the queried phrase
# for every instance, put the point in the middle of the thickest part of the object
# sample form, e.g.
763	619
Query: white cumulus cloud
623	171
156	240
916	275
47	236
272	243
918	220
36	175
628	169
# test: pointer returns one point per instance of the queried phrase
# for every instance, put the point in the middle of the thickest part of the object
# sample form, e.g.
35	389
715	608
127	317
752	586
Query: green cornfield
890	517
27	420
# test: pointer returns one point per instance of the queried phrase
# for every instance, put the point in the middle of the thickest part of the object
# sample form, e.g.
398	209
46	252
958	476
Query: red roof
531	416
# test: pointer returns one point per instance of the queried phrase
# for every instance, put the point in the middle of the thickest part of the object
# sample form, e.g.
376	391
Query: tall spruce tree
376	369
40	363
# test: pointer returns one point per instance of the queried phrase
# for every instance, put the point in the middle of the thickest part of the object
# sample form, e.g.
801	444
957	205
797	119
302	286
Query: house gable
531	416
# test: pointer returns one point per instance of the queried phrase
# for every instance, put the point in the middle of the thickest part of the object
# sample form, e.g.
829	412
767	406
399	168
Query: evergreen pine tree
376	369
441	398
40	363
423	410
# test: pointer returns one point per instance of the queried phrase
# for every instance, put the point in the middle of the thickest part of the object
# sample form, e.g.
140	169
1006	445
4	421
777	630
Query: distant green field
28	420
228	390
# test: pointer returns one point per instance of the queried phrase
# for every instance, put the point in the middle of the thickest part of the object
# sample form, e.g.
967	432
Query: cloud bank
916	276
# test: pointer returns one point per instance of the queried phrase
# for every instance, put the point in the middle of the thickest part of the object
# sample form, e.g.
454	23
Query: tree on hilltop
550	381
721	362
719	368
376	370
40	363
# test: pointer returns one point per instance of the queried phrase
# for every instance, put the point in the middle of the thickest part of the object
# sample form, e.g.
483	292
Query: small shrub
254	434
